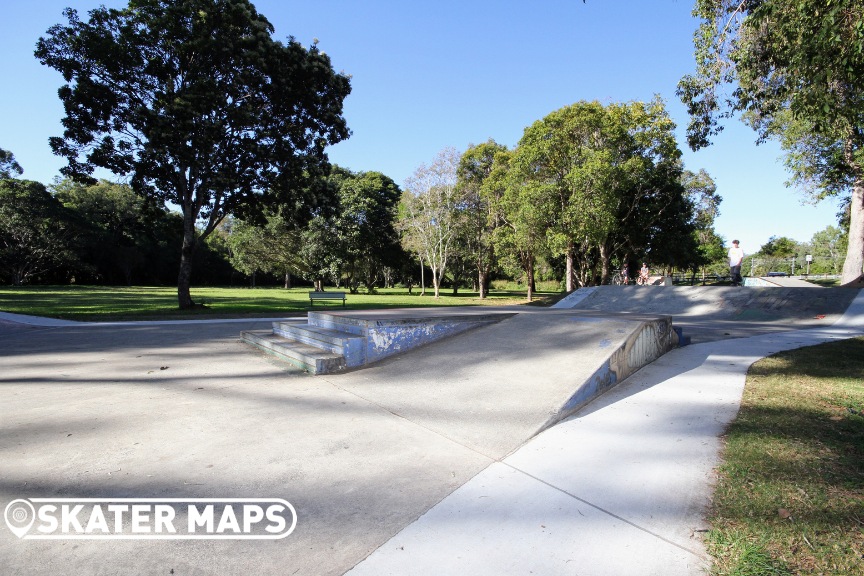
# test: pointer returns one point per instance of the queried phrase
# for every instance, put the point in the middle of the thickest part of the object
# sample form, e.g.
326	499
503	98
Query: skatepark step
310	358
335	341
360	338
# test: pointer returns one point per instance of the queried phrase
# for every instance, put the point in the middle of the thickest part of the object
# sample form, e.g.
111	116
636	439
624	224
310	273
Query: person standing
736	259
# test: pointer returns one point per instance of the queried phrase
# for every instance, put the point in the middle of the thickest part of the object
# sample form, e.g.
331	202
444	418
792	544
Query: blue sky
428	75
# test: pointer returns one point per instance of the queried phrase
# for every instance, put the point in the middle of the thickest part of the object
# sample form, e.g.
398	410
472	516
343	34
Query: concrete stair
330	342
310	358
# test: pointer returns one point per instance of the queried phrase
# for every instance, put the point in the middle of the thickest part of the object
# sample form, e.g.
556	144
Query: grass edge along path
790	491
120	303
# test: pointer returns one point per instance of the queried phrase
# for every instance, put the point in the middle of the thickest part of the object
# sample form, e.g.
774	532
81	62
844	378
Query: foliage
478	215
603	182
9	168
519	240
827	248
273	247
201	106
366	225
798	72
356	239
122	235
779	246
36	232
702	191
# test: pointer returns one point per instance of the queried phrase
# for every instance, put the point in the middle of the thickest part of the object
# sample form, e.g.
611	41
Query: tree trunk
184	279
287	280
530	273
481	281
604	263
568	281
854	263
422	278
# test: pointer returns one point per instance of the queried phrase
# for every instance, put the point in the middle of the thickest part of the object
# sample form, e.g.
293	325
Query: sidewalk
620	488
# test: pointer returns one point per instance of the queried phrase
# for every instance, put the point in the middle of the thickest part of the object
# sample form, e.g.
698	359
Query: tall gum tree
197	102
795	70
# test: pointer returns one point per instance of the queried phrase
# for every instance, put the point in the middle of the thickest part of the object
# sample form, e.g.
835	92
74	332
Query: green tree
317	251
117	228
566	161
653	210
366	225
829	246
702	192
776	255
201	106
9	168
780	247
36	233
797	68
520	239
479	220
273	247
605	181
248	248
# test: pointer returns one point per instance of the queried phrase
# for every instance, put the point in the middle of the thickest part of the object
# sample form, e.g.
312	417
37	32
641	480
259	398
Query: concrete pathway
620	488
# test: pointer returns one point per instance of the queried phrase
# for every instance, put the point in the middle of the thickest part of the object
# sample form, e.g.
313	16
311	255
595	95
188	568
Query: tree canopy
475	179
9	168
35	231
795	70
201	106
600	182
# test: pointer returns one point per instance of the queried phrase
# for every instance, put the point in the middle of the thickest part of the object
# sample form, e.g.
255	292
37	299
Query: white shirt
736	255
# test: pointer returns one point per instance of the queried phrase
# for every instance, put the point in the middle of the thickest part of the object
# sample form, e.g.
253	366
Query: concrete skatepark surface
417	465
718	312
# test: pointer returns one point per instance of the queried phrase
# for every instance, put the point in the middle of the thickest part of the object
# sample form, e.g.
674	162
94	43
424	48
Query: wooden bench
326	296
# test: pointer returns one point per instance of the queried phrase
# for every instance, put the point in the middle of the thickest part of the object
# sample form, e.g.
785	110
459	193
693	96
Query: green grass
826	282
790	493
100	303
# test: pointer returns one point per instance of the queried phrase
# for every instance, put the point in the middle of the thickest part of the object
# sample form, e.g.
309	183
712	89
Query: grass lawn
790	495
826	282
100	303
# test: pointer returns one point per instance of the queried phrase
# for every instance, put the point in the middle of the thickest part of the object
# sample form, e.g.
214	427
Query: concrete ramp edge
652	339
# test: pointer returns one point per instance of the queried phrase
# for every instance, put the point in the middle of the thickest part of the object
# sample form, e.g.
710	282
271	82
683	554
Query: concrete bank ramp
494	387
802	306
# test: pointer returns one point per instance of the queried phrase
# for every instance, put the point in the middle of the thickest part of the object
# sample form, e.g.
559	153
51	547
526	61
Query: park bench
326	296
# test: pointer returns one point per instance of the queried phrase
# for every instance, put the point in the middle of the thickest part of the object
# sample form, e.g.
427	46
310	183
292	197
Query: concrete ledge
650	340
386	336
